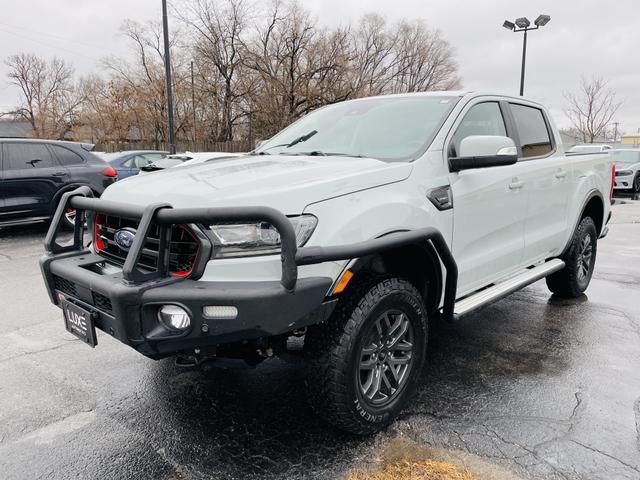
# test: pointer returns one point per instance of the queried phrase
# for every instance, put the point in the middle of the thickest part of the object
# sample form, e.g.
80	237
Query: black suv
35	173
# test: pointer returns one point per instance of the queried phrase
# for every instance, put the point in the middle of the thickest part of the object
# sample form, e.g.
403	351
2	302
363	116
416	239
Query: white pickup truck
353	228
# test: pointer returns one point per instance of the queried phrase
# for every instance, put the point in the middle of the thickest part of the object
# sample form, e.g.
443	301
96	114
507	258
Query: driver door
489	205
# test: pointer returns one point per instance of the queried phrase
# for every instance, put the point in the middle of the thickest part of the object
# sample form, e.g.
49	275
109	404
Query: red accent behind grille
184	246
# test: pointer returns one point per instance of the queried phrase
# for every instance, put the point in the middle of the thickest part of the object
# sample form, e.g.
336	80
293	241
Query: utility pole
167	73
615	131
193	106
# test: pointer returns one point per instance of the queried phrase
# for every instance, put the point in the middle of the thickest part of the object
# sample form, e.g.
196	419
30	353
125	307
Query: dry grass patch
404	469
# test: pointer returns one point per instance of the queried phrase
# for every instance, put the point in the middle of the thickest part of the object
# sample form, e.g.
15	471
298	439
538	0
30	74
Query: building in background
631	140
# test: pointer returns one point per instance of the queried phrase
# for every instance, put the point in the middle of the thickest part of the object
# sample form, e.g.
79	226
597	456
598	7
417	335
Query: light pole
523	25
167	73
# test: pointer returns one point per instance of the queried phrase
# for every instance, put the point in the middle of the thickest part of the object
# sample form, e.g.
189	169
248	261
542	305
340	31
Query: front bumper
125	302
129	312
623	183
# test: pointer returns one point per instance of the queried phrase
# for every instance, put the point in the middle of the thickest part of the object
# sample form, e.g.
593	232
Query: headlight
245	239
623	173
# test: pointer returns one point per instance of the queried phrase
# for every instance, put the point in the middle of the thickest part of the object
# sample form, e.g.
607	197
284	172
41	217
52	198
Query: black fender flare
317	254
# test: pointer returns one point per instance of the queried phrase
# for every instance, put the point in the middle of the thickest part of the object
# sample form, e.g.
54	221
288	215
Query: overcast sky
588	37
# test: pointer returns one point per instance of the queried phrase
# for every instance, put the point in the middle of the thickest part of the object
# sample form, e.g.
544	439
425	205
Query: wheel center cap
382	356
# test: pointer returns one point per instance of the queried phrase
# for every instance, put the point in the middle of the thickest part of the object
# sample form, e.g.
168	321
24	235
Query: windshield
625	158
387	128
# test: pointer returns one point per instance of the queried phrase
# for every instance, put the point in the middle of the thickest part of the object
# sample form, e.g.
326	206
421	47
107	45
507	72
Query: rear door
31	177
547	183
489	204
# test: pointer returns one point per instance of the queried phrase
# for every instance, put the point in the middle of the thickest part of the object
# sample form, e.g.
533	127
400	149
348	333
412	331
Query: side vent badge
441	197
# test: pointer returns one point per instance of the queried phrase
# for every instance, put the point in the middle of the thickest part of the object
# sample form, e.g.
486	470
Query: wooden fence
228	146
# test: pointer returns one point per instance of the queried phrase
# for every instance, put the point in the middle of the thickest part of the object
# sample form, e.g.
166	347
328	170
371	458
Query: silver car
627	162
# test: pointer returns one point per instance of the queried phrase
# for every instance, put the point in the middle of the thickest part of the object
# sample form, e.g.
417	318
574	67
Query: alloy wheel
584	258
386	358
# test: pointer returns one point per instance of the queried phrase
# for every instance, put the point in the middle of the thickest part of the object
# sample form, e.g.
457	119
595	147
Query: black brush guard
164	215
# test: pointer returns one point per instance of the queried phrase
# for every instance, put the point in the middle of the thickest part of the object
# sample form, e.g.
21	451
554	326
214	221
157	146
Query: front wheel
69	218
574	278
364	363
636	183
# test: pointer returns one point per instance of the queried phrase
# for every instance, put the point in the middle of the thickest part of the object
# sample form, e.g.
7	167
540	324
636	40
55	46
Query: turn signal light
342	283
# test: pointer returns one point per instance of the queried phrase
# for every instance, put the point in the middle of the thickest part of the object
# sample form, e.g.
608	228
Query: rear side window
66	156
481	119
532	129
27	156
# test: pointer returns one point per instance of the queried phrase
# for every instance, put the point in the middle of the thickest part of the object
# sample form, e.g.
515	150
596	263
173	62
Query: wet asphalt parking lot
530	387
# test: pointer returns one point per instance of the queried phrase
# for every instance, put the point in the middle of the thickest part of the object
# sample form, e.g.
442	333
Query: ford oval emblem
124	238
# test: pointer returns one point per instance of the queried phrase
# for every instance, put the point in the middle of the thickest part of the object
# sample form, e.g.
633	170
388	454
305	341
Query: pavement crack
608	455
636	411
34	352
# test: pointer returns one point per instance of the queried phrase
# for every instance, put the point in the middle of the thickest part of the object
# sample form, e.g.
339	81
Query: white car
185	159
627	162
351	228
590	148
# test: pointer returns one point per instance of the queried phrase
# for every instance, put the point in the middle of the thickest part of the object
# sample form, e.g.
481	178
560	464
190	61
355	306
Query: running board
502	289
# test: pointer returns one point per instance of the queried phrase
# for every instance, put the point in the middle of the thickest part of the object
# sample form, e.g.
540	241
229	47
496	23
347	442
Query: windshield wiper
324	154
300	139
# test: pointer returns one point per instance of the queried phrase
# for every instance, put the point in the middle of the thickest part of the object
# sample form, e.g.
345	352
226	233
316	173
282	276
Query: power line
47	44
65	39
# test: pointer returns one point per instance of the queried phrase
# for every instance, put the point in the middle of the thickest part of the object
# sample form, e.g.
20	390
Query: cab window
532	130
482	119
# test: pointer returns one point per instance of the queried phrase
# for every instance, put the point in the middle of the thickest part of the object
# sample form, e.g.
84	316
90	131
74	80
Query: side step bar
502	289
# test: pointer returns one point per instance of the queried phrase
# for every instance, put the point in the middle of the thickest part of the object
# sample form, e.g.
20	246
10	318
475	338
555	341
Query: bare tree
592	109
218	45
423	60
49	99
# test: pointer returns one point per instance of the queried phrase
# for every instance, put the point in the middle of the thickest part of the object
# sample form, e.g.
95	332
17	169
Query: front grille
64	285
102	302
183	246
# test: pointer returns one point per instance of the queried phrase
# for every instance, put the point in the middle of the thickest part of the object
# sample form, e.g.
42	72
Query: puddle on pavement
402	451
556	300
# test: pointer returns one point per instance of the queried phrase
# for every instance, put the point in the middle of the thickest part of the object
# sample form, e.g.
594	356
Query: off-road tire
334	352
570	282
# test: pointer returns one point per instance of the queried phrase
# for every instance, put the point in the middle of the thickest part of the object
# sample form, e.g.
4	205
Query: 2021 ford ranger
352	227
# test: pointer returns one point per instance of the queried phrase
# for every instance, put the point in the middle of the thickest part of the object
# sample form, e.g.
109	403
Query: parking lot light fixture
542	20
523	24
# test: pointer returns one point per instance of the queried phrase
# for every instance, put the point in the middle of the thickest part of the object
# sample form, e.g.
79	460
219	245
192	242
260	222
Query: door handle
59	174
560	173
516	184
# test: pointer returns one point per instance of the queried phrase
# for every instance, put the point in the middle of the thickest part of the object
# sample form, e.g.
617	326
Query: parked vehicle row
352	228
129	163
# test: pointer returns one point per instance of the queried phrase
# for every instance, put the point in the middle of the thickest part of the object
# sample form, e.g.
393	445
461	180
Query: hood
287	183
626	166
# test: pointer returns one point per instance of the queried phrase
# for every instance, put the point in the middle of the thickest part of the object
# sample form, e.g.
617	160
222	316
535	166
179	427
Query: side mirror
480	151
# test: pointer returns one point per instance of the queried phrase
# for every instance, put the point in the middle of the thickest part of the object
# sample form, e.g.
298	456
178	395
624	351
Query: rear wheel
579	260
364	363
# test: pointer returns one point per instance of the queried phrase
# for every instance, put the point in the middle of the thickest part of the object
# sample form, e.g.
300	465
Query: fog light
174	317
220	312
